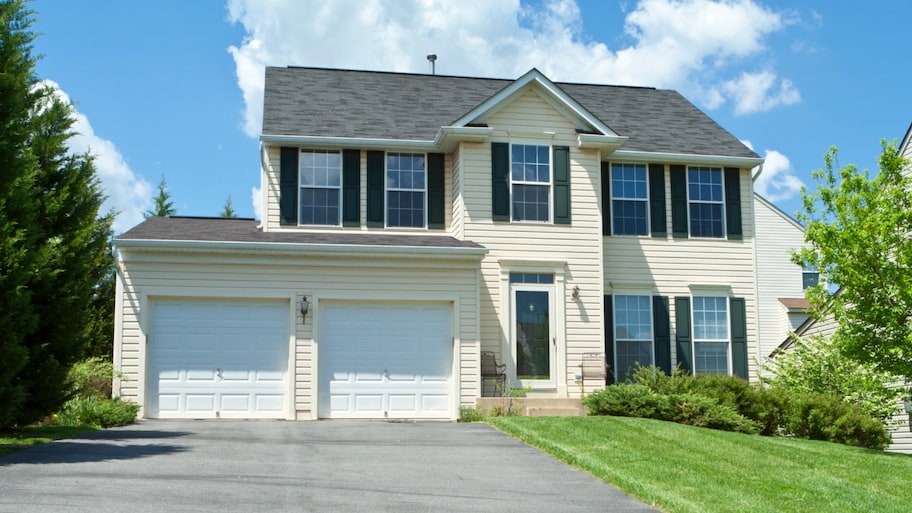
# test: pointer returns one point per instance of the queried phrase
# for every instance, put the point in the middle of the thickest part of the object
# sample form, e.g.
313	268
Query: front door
533	334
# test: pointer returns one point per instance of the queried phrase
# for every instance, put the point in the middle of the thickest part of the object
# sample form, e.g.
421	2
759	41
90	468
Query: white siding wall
155	274
572	252
901	433
678	267
777	276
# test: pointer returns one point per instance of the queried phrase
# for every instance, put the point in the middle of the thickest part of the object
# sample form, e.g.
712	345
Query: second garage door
385	361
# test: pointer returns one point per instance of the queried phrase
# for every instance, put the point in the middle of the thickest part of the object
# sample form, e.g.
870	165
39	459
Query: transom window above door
530	178
406	190
320	181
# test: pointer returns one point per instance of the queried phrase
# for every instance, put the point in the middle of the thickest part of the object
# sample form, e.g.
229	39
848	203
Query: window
405	190
629	199
705	198
531	278
809	277
633	342
320	180
710	334
530	178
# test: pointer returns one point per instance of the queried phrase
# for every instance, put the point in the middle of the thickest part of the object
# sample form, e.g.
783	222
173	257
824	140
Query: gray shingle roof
216	229
370	104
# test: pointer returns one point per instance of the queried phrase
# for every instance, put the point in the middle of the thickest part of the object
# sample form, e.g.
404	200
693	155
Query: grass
683	469
27	437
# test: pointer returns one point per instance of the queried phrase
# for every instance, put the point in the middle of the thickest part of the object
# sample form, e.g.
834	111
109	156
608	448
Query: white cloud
256	196
693	46
760	92
127	193
777	182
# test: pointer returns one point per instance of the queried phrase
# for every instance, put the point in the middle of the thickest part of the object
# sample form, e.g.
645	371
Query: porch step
535	406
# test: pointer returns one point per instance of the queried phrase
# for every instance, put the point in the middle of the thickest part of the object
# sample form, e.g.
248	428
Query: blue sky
173	88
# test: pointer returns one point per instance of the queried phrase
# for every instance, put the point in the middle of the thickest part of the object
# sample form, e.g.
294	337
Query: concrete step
534	406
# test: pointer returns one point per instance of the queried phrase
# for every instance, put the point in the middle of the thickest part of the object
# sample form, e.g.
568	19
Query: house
781	283
826	326
412	221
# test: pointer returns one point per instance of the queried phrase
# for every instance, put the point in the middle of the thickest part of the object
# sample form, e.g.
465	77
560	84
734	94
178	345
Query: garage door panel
379	360
218	359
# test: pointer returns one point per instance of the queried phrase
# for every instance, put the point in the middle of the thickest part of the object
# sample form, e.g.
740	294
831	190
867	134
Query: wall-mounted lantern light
304	307
575	294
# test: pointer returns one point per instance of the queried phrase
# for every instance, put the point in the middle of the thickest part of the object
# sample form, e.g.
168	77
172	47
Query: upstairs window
530	179
320	180
706	201
406	190
629	199
810	277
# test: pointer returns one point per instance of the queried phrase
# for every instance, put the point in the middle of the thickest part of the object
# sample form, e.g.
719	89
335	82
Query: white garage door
385	361
217	359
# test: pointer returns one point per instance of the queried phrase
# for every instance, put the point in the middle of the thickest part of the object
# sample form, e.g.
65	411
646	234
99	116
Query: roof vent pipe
432	58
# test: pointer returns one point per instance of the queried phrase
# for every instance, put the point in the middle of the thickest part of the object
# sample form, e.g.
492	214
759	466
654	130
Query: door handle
386	373
218	373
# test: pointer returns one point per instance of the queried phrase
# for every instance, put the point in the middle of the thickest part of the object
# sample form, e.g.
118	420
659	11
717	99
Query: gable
528	115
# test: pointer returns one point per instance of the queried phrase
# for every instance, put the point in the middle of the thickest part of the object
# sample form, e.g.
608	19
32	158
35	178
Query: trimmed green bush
826	417
97	412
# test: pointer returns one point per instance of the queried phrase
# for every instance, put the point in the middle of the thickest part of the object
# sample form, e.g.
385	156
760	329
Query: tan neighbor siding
186	275
777	276
680	267
573	250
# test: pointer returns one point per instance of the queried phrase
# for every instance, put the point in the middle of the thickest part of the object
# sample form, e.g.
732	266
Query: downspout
264	165
759	357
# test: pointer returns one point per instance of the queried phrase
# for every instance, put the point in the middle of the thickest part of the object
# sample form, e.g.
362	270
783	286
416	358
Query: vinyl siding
572	252
777	276
901	432
154	274
685	267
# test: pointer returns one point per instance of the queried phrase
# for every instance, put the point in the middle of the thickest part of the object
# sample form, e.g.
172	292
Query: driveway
327	466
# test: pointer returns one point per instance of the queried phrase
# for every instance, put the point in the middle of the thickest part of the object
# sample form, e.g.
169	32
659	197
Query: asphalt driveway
327	466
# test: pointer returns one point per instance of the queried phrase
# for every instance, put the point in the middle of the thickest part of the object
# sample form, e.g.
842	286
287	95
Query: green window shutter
661	333
436	187
679	201
375	203
609	337
561	184
682	333
733	203
606	198
288	186
657	201
739	337
500	184
351	188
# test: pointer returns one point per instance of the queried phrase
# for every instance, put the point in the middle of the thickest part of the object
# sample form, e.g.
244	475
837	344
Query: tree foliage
815	365
163	205
859	236
54	247
228	210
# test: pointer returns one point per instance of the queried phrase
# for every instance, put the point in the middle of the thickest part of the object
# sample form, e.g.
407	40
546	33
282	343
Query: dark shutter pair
738	335
661	334
679	209
351	188
500	182
657	223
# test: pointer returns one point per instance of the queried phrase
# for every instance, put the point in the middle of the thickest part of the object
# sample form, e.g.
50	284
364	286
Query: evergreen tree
55	252
164	206
228	209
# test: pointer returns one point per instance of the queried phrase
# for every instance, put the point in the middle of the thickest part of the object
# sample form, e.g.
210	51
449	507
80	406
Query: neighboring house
901	431
780	282
412	221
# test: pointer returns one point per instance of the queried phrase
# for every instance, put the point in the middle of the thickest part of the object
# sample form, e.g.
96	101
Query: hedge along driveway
299	466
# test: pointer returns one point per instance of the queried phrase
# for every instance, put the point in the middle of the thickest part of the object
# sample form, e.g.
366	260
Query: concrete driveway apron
327	466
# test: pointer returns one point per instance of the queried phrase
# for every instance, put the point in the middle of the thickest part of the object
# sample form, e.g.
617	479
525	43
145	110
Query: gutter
686	158
349	250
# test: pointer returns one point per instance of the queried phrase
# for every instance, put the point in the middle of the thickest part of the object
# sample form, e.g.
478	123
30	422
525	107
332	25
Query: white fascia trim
605	143
449	136
349	142
535	76
685	158
350	250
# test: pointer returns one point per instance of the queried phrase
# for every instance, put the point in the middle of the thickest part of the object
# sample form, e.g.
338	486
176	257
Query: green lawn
680	468
27	437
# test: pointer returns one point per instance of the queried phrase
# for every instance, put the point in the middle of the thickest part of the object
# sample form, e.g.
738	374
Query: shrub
701	411
470	414
92	377
98	412
826	417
